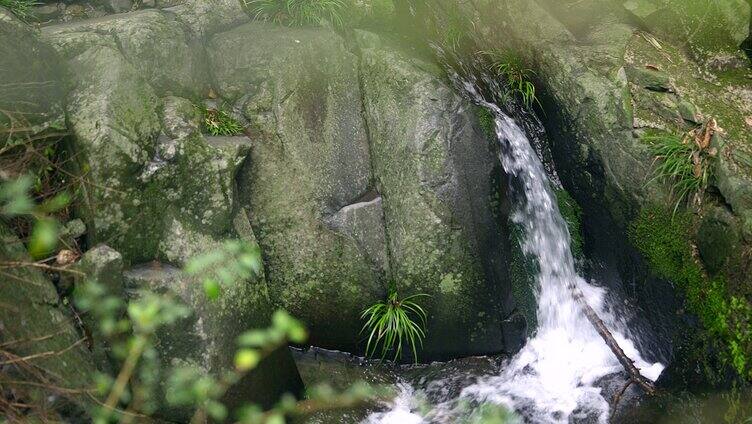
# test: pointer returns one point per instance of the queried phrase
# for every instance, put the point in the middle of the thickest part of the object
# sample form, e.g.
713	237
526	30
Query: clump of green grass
517	77
21	8
217	122
680	163
392	325
298	12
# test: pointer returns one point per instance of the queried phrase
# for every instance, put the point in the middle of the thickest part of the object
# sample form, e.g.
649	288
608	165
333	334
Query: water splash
553	378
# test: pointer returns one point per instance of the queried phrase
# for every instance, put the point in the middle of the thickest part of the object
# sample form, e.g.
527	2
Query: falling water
553	378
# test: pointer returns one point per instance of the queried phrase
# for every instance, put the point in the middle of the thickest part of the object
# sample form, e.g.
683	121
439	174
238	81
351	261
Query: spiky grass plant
517	77
217	122
680	163
21	8
298	12
392	325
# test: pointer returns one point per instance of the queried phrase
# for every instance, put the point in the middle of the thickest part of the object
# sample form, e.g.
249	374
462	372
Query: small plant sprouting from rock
517	77
487	122
297	12
684	162
219	123
392	324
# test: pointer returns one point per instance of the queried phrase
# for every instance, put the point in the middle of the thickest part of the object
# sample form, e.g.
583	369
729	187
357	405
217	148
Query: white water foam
400	411
552	379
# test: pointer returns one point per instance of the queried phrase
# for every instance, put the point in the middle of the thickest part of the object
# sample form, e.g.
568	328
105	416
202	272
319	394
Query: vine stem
134	354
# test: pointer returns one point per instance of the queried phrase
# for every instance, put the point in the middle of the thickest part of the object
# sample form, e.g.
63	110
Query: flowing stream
555	377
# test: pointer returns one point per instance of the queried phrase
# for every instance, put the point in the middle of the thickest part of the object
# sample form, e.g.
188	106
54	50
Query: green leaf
43	239
14	196
211	289
216	410
55	204
247	359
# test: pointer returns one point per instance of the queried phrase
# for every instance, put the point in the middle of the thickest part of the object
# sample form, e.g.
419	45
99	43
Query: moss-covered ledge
667	242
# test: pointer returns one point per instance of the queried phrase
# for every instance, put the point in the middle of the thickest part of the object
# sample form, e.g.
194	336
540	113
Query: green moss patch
572	214
664	239
486	121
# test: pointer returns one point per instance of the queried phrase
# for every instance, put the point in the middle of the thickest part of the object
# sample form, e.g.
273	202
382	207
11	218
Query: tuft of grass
392	324
298	12
517	77
681	164
217	122
21	8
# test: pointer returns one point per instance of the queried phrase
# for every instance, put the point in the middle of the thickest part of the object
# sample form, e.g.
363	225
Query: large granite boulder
306	183
206	17
348	190
339	218
440	179
156	186
156	44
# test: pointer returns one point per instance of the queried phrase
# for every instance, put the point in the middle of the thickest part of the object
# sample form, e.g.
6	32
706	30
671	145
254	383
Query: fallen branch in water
600	327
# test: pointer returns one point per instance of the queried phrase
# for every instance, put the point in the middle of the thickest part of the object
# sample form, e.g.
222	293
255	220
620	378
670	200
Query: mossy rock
718	239
33	322
436	172
665	240
145	189
155	43
307	180
706	27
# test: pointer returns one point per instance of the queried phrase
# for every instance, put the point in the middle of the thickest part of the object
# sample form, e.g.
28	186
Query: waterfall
554	374
553	379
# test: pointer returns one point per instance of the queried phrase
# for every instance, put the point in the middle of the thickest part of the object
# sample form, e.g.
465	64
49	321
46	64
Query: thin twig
41	354
19	264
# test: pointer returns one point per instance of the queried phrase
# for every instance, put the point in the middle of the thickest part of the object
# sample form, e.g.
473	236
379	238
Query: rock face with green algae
436	172
206	338
34	321
299	90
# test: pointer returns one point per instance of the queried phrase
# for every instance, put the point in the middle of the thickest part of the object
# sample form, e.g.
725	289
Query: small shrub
681	164
517	77
297	12
391	325
21	8
217	122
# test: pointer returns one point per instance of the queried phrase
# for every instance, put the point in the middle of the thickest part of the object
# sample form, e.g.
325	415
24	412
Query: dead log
600	327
